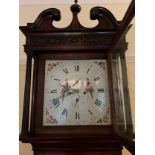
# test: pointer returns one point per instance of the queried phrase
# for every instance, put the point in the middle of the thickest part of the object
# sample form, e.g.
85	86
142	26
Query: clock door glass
76	93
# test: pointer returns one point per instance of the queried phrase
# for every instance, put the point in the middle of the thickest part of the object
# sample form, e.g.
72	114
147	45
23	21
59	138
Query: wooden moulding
42	35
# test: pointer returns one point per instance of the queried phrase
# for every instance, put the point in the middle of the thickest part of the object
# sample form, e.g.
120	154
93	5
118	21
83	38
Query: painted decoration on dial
76	93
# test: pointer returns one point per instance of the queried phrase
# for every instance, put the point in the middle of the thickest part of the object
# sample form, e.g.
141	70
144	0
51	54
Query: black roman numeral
97	78
76	68
64	112
65	70
99	103
77	115
53	91
90	112
101	90
56	102
92	115
57	79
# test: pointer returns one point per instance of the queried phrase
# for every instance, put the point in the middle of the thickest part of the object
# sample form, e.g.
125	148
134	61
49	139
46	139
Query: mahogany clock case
81	153
45	42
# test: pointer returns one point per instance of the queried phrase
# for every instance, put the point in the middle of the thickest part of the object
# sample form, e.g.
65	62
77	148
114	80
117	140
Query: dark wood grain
44	22
79	153
86	144
72	40
106	19
44	41
25	120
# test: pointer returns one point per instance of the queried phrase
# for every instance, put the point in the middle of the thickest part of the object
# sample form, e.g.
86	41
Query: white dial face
76	93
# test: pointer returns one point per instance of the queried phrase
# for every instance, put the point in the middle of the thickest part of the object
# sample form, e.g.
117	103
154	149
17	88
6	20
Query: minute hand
89	88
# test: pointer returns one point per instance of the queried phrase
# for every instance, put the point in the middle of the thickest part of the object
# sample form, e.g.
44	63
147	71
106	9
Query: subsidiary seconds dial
76	93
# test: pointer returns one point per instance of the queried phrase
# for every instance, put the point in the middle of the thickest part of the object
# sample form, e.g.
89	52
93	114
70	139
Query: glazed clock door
76	93
124	125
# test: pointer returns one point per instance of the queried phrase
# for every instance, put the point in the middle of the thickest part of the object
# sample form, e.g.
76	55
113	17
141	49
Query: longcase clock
80	102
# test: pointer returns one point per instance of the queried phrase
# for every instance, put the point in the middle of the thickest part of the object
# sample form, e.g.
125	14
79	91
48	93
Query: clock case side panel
26	105
34	94
63	130
124	126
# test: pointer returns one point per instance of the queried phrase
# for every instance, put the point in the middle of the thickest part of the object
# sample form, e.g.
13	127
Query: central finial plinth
76	1
75	8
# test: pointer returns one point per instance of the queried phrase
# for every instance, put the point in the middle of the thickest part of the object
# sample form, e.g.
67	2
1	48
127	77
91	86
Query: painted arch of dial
76	93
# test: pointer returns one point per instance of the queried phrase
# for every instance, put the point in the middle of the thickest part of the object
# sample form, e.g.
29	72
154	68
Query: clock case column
87	43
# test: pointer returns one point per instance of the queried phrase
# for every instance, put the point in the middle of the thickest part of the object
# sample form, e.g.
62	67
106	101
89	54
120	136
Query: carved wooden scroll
43	35
44	22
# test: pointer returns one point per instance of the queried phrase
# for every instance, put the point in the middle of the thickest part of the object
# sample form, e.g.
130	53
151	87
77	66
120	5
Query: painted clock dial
76	93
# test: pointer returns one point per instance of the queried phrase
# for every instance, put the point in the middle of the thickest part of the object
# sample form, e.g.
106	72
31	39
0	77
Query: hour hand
65	90
76	82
